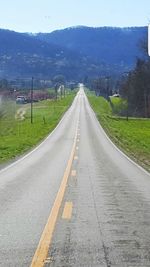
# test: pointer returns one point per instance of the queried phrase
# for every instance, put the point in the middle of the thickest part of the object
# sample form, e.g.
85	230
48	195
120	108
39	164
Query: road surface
103	214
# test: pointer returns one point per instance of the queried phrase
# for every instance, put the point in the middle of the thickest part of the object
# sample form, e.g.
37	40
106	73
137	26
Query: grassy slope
132	136
16	137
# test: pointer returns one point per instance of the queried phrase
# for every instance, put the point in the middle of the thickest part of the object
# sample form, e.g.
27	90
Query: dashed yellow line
46	238
67	213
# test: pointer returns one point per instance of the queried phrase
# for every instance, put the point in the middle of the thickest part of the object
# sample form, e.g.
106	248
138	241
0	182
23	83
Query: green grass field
132	136
18	135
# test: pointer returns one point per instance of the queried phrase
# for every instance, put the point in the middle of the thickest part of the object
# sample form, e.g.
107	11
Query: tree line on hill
73	52
106	45
136	89
134	86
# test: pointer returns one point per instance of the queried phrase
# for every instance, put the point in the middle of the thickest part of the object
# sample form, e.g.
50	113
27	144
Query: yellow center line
46	238
67	213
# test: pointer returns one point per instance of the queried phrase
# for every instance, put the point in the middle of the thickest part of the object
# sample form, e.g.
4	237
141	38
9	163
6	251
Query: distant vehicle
116	95
21	100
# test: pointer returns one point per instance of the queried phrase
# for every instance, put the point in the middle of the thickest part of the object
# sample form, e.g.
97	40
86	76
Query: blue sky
49	15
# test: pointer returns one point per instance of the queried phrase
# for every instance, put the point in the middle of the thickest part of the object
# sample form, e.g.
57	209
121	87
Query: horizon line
74	27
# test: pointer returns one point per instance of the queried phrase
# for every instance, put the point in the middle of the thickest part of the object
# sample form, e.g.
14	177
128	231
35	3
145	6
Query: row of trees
102	86
135	87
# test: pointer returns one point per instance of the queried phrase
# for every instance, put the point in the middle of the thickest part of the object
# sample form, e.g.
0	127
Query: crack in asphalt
108	263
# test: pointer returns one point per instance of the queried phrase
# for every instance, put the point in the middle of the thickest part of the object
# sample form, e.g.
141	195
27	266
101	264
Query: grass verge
132	136
18	135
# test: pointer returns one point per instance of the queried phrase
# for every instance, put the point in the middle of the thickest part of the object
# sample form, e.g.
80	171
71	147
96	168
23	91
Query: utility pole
61	92
32	100
127	73
127	115
149	40
148	98
56	91
64	90
146	103
107	87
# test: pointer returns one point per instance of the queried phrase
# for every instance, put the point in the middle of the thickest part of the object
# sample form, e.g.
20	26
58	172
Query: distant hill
74	52
108	45
23	55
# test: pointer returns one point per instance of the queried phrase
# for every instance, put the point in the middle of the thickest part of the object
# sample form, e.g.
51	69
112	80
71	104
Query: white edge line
129	159
36	148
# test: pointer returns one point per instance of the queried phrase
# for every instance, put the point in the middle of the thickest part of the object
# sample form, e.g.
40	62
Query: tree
102	86
4	84
136	89
59	79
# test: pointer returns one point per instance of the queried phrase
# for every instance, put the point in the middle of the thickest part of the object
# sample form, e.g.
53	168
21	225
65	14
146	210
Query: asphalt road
104	218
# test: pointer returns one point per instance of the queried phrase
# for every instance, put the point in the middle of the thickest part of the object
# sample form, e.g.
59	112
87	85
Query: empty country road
75	200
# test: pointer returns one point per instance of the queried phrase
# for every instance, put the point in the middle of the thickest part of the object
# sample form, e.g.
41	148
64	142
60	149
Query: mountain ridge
103	39
74	52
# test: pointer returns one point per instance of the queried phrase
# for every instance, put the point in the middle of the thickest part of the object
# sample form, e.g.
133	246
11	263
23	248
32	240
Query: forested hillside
106	44
75	53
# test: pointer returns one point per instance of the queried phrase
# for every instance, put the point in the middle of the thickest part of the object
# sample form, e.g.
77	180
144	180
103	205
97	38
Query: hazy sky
48	15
